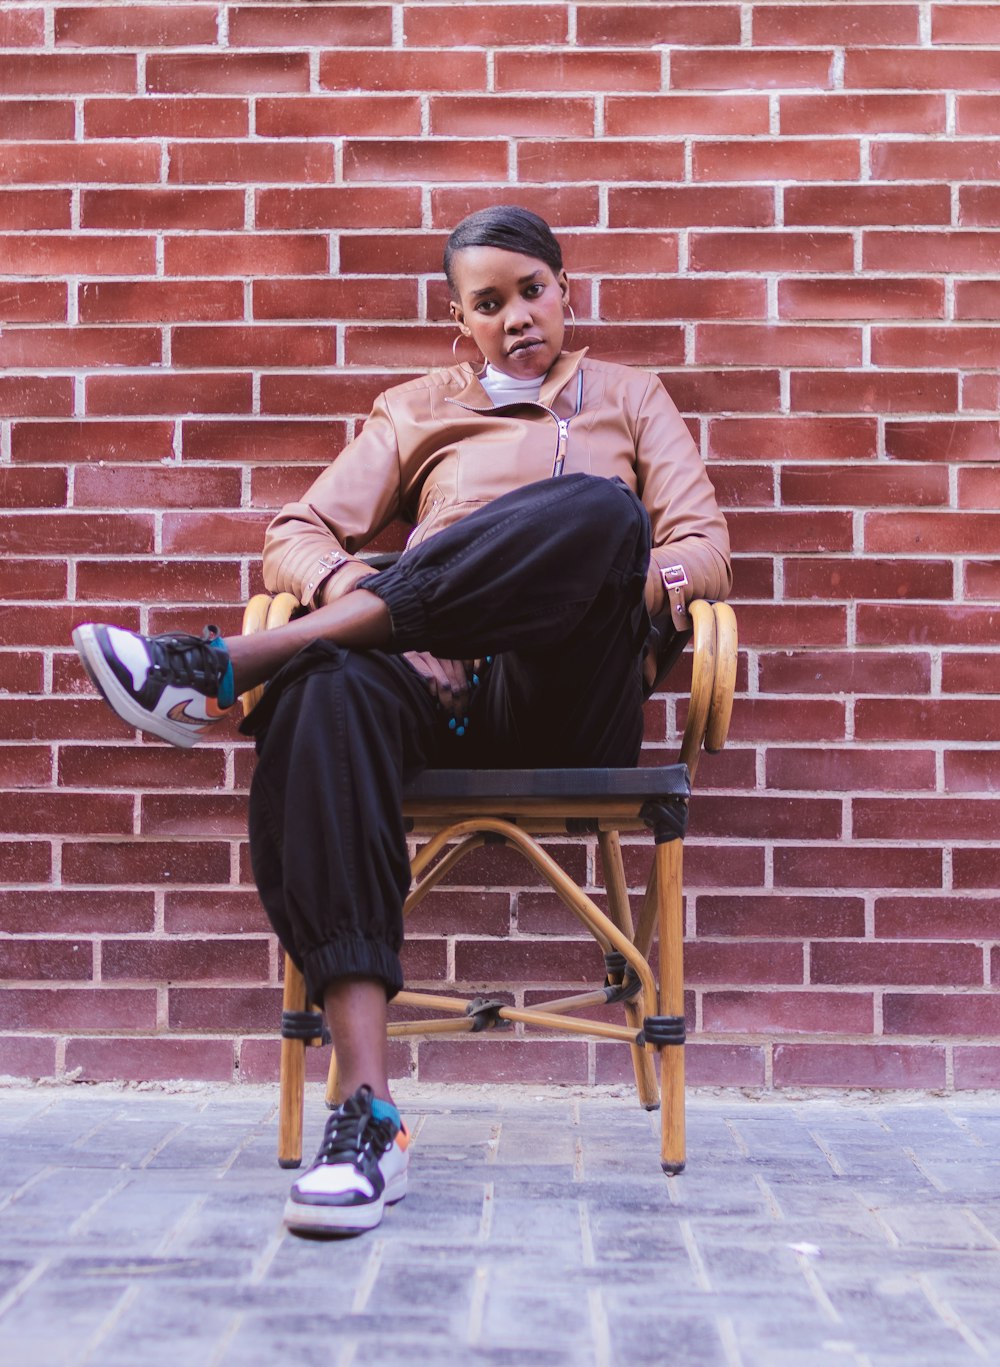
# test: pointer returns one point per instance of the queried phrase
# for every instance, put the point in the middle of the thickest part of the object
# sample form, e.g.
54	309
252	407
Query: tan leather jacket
436	448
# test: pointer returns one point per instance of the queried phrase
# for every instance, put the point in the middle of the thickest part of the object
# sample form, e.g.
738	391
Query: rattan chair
460	810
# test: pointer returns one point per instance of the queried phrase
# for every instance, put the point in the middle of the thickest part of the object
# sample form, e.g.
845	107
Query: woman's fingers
446	679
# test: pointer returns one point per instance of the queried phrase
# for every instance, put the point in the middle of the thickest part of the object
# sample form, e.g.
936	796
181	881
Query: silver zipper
562	435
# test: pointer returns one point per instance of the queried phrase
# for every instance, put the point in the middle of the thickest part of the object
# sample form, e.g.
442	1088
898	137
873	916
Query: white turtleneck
506	389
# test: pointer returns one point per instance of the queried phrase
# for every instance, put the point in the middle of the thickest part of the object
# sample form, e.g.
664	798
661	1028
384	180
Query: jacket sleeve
310	548
688	528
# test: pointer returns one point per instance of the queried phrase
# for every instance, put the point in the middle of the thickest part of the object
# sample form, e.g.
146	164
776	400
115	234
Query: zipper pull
557	469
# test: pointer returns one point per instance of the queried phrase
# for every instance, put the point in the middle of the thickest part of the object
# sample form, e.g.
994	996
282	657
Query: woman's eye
533	291
486	306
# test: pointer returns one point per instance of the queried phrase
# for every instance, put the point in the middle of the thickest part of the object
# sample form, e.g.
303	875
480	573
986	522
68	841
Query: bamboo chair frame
462	810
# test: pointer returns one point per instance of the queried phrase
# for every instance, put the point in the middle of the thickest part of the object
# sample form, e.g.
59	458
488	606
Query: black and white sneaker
359	1170
167	685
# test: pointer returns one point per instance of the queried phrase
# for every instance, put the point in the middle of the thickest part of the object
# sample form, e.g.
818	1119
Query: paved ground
140	1228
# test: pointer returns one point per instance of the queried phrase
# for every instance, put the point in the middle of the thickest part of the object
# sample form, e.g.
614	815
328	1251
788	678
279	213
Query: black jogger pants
547	581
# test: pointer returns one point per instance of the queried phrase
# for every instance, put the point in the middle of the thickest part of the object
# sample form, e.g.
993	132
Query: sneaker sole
343	1219
103	679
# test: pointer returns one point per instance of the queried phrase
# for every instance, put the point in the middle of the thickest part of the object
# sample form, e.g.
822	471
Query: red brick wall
220	227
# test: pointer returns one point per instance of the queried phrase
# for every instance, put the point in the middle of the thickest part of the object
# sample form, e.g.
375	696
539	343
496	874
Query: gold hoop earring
572	317
454	346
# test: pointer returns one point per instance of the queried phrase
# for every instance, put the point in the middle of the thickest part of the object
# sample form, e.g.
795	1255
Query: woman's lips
526	344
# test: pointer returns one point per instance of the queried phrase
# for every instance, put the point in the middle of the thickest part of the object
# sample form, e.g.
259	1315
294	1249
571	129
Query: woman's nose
517	317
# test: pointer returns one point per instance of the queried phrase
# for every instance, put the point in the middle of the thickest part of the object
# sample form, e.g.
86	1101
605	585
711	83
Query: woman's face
512	308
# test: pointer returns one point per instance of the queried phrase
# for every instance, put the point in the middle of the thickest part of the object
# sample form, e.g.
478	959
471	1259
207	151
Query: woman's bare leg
359	620
356	1014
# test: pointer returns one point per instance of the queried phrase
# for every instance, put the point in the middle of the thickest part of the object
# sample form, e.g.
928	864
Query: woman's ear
563	280
457	316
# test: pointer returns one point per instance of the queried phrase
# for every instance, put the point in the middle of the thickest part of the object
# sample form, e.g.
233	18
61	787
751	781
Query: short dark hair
508	227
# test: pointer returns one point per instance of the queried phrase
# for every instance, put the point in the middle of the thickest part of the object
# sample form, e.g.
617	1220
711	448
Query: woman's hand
447	680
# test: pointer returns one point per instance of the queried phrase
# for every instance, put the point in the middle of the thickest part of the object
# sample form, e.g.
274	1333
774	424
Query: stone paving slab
143	1227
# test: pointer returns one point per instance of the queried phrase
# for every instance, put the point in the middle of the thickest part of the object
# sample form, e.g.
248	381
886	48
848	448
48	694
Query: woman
559	504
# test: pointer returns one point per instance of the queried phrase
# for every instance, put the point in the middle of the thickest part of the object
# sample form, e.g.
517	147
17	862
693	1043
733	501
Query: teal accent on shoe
385	1110
227	684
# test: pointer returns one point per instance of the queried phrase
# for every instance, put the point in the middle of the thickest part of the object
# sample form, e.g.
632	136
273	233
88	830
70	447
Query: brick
337	298
897	964
162	581
149	1060
920	69
69	533
38	301
956	624
73	1008
859	1065
869	485
251	162
31	1058
231	1009
396	69
561	206
750	70
674	25
155	488
22	28
964	24
937	917
771	159
263	440
977	114
38	163
978	298
848	771
793	438
63	814
976	868
980	392
153	862
229	73
979	205
787	1012
588	71
955	346
32	579
971	533
699	391
69	73
770	625
920	719
351	392
860	205
25	861
769	962
424	159
927	160
773	251
35	209
839	25
680	206
247	254
56	254
57	718
979	487
966	672
503	1060
787	531
161	208
170	960
253	345
92	440
444	26
214	533
861	299
862	113
367	115
624	299
138	766
763	719
956	250
660	115
149	26
976	1066
340	25
853	578
759	816
925	440
605	159
218	911
139	301
42	348
208	814
35	396
21	673
871	392
338	207
149	393
38	960
774	915
945	1013
26	766
34	119
503	116
855	866
982	579
147	116
738	486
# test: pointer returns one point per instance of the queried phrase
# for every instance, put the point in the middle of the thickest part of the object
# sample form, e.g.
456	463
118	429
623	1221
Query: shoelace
348	1133
187	659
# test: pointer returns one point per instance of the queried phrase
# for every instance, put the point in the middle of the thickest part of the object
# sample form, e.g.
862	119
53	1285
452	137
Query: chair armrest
713	680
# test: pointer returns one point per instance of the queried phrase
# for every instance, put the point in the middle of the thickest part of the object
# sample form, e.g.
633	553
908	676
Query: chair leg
292	1075
621	913
669	861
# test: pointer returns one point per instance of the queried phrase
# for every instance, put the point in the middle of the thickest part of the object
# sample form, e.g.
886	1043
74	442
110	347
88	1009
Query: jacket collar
566	365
